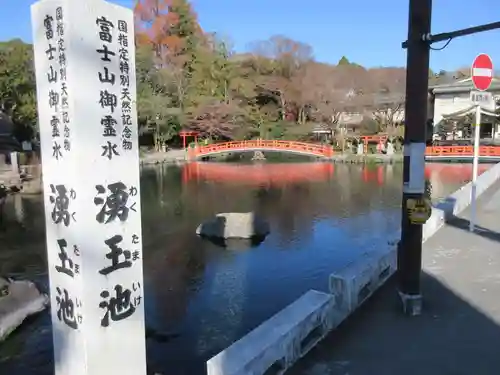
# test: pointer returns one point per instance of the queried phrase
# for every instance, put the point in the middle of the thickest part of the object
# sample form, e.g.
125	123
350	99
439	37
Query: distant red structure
184	134
367	139
456	152
303	148
326	151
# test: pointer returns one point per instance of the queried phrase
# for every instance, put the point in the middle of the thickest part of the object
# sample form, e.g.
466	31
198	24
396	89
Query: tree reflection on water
321	216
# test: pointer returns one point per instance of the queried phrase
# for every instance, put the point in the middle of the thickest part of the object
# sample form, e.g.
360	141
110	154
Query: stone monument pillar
86	93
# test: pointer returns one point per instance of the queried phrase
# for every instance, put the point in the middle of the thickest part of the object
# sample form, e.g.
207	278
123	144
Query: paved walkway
459	330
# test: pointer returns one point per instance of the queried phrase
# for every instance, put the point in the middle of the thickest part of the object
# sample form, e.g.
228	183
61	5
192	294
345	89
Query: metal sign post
417	85
482	75
418	44
475	160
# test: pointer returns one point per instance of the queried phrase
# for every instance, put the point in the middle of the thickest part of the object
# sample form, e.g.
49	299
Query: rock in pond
18	301
234	225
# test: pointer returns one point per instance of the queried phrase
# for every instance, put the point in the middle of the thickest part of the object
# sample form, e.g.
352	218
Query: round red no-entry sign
482	72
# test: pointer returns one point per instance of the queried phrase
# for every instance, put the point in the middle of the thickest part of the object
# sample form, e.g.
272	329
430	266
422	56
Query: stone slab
234	225
19	300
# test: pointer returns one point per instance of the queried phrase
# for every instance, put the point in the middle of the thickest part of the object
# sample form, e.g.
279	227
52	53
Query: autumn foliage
166	25
191	78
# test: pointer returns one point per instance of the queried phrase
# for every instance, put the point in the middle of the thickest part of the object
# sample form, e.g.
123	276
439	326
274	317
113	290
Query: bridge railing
326	150
462	151
310	148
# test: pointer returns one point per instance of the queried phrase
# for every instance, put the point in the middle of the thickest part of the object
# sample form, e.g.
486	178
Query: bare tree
332	92
387	94
321	91
289	60
289	54
216	120
352	77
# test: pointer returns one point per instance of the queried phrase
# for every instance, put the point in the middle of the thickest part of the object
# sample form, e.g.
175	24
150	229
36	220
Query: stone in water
234	225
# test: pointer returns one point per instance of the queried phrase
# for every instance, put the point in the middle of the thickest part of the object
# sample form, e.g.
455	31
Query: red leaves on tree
156	23
216	120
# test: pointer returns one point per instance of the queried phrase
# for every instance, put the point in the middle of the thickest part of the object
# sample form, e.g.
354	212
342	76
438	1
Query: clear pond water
201	297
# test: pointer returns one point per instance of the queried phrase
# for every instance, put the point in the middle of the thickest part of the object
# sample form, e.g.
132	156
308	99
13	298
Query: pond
201	297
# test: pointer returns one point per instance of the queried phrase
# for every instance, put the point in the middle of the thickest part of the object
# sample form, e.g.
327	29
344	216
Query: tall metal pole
475	160
417	75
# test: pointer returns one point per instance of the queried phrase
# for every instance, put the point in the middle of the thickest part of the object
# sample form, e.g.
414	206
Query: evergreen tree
344	61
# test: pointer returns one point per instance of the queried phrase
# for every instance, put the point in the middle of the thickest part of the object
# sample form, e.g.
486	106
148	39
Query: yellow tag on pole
419	210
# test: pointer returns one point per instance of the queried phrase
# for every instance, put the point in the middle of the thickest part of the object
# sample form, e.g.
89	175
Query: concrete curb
280	341
359	280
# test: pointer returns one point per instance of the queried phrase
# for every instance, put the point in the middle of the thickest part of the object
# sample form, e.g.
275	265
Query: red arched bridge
491	153
301	148
443	153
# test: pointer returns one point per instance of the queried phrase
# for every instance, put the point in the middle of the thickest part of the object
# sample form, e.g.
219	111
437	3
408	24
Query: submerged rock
234	225
18	301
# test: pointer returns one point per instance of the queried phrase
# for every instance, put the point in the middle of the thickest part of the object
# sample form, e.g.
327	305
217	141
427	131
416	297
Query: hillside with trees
189	78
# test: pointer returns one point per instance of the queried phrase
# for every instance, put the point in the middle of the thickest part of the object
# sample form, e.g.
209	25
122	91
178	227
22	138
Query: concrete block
352	285
276	344
412	304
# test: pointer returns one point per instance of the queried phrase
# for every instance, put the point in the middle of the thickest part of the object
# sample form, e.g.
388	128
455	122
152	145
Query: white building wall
350	118
356	118
445	104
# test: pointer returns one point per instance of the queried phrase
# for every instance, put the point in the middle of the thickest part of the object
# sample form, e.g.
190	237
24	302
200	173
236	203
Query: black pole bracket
455	34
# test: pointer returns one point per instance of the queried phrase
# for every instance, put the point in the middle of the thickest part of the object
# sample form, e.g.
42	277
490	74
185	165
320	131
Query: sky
368	32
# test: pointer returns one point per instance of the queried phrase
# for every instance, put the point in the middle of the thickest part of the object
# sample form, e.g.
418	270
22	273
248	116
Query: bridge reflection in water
286	173
258	174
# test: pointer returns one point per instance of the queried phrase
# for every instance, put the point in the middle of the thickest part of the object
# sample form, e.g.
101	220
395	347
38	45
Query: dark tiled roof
443	79
461	85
